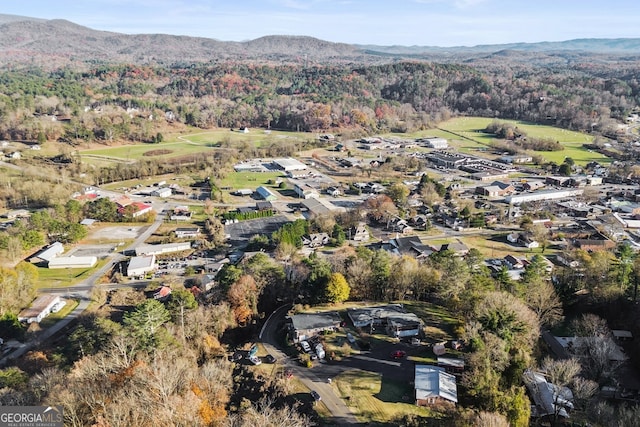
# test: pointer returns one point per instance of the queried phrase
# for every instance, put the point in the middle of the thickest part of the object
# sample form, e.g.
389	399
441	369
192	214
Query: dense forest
126	102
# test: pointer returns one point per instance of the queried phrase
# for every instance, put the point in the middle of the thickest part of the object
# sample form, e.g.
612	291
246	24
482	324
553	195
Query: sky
381	22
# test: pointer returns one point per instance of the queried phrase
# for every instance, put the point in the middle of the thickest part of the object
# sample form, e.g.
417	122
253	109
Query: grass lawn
61	277
472	127
374	399
440	324
51	319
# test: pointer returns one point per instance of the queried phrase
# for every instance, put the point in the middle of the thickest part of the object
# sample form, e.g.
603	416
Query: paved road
81	291
341	413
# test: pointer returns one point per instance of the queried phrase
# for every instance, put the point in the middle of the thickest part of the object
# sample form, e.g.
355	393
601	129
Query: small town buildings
409	245
548	399
333	191
161	192
126	206
288	164
496	189
305	326
182	213
41	308
187	232
305	191
17	213
516	199
314	207
72	262
392	317
48	253
434	386
591	245
533	185
266	194
141	265
166	248
243	192
433	142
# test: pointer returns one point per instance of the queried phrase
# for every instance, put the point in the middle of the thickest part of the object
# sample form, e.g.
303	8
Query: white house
183	233
161	192
162	249
48	253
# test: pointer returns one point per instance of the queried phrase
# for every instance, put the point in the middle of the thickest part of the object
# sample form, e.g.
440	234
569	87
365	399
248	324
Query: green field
60	277
185	145
251	180
464	132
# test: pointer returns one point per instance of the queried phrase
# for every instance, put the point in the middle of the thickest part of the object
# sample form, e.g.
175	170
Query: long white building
543	195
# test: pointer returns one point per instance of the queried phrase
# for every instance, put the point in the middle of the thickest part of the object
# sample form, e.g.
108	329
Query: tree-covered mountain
54	43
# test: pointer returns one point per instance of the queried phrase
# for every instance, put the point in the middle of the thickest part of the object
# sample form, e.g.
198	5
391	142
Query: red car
398	354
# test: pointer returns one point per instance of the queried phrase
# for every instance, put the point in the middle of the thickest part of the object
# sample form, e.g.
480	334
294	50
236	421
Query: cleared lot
117	233
242	231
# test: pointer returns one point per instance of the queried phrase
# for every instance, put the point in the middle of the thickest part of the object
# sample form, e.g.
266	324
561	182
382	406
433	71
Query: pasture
470	130
191	144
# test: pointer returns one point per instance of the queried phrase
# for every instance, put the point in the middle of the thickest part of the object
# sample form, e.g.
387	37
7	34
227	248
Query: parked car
270	359
305	346
316	396
398	354
255	360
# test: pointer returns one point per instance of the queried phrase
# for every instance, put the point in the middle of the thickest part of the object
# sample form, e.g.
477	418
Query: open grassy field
252	180
61	277
377	400
472	128
190	144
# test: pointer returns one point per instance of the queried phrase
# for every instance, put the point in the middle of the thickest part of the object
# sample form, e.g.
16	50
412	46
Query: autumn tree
243	299
337	289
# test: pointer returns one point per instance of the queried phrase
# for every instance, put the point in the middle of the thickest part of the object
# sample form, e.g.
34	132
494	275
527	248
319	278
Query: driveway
313	379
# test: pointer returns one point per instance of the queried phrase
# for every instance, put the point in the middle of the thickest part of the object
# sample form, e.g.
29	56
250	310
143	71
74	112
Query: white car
255	360
305	346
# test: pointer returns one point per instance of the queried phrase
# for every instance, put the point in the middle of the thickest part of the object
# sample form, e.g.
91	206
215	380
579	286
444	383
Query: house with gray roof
307	325
434	386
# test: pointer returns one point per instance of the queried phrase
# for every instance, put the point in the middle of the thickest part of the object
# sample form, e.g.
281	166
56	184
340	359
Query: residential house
316	240
360	233
162	293
451	364
392	317
305	326
513	263
513	237
457	247
400	225
333	191
180	213
409	245
41	308
264	206
548	399
434	386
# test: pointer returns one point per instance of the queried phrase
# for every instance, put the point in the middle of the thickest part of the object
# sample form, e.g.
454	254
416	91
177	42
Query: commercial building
304	191
162	249
543	195
305	326
433	142
48	253
141	265
289	164
266	194
73	262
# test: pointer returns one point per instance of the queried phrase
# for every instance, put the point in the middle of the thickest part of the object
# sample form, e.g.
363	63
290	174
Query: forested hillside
92	105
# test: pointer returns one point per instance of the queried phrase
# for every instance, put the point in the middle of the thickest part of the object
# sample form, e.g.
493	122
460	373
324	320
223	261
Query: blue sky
382	22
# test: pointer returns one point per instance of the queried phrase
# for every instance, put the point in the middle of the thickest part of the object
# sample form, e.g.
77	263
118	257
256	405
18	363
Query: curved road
342	415
80	291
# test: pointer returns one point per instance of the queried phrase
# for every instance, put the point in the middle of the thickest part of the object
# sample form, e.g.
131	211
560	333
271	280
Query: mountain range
28	41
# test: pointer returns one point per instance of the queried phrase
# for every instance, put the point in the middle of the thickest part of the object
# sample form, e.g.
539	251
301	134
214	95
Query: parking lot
240	232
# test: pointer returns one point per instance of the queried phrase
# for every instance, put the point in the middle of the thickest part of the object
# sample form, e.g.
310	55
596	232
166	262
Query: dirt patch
157	152
117	233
